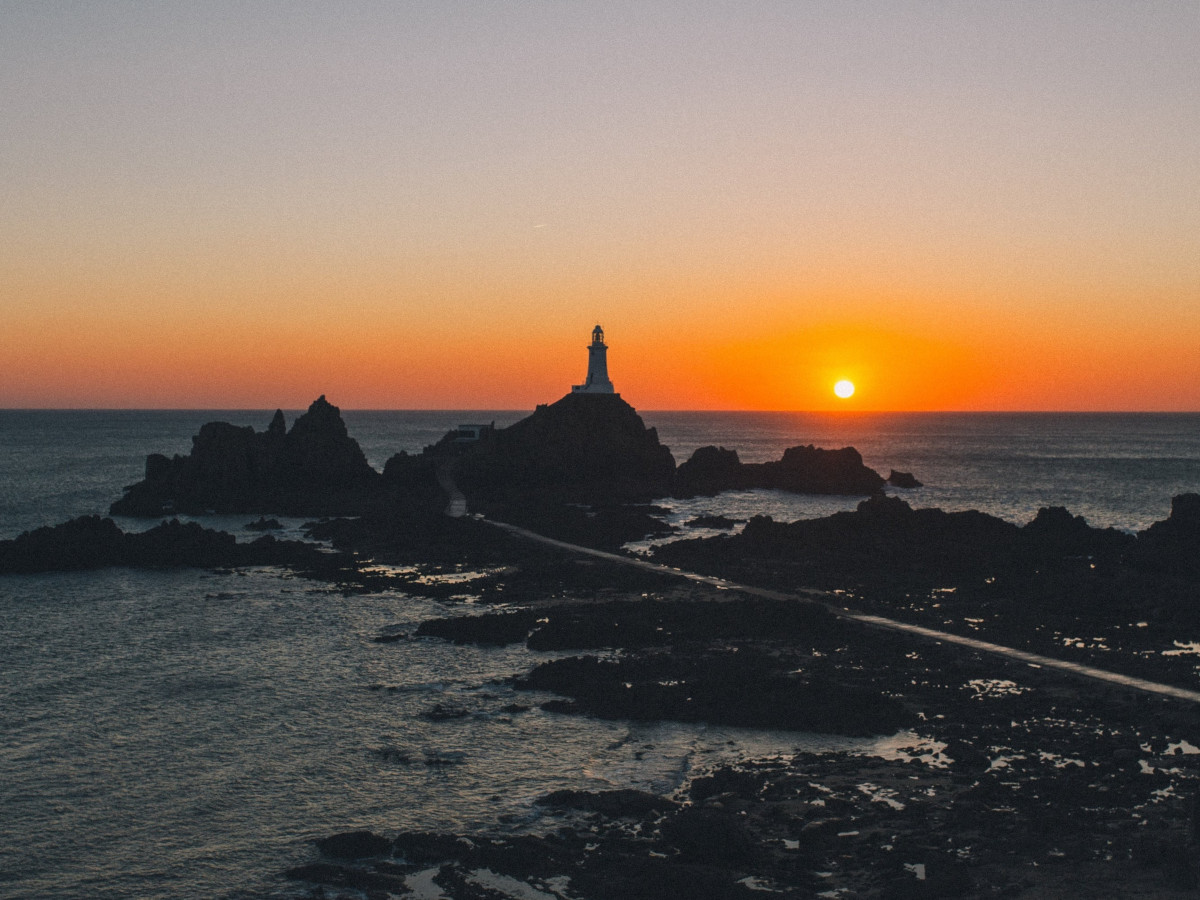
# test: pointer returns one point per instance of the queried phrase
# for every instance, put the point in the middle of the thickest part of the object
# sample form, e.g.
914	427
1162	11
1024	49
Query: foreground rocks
739	686
1055	585
1013	782
885	536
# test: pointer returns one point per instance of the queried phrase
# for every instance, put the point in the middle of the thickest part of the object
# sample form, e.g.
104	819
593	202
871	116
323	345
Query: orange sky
962	208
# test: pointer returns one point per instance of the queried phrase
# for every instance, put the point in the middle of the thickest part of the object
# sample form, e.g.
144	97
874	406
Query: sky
954	205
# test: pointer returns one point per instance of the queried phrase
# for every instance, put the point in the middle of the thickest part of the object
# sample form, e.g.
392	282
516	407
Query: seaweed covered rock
314	469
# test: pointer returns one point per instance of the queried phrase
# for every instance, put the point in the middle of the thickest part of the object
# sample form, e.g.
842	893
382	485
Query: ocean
190	733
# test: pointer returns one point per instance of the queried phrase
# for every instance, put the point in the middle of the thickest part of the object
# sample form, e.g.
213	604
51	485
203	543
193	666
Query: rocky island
314	469
1013	780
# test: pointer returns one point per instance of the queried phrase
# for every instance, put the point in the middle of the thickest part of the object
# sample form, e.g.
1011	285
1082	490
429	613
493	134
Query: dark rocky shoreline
1025	782
1030	784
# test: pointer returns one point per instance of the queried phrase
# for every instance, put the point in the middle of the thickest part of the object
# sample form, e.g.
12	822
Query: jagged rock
411	483
1184	521
1056	534
903	480
802	470
1172	545
315	469
709	470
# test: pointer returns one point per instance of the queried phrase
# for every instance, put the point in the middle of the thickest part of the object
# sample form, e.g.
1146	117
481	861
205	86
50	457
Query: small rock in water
903	480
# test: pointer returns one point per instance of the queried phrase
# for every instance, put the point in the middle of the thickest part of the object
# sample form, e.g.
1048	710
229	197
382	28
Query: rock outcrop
801	470
314	469
903	480
91	542
886	536
1173	545
585	448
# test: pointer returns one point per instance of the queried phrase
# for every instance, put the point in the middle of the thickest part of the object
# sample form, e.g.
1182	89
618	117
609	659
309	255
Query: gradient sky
956	205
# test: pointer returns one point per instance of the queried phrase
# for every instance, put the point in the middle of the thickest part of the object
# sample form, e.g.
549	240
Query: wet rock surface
1006	780
1055	586
736	686
1012	783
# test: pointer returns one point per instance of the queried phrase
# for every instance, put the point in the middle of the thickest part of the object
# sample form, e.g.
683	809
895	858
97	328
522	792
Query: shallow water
183	733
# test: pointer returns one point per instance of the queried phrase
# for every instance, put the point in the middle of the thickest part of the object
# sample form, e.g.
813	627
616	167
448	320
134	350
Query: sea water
187	733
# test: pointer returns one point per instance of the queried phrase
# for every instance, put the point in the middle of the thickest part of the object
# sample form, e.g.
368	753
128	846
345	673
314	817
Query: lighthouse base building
597	381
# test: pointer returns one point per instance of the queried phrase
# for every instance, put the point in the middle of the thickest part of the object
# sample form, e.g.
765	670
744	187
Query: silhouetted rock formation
1173	545
585	448
710	470
801	470
315	469
903	480
885	535
91	542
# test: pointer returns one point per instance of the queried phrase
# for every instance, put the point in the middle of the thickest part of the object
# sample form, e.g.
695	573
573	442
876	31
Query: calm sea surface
167	734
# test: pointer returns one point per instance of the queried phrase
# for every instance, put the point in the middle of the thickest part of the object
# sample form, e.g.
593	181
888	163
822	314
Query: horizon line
448	409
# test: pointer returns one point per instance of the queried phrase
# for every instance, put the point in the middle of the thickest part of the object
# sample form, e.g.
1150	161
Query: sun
844	389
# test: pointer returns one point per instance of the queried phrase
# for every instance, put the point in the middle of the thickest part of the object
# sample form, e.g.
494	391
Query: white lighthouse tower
597	375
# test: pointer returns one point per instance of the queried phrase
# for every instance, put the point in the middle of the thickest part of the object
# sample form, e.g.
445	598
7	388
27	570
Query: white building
597	374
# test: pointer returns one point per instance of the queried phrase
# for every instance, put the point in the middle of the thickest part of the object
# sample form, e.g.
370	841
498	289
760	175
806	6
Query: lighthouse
597	375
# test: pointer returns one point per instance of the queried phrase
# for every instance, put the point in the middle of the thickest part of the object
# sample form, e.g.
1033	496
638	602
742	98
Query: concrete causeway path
457	508
825	599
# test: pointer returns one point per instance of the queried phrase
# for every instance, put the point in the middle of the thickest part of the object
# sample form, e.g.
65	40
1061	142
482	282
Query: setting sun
844	389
